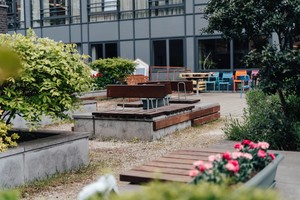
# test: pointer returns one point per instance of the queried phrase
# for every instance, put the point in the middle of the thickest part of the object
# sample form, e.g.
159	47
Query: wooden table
174	166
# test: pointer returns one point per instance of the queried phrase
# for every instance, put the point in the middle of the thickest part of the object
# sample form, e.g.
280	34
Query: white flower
104	185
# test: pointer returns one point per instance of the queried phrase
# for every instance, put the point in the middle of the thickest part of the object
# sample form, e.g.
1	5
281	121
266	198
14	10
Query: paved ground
288	173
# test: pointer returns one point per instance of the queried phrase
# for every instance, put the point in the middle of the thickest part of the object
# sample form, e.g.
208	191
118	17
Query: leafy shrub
263	120
5	140
52	73
172	191
112	71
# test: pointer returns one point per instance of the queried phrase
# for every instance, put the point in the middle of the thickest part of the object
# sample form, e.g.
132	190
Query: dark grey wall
134	37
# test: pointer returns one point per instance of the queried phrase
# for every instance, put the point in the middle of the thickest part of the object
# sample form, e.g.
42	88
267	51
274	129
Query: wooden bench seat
174	166
150	92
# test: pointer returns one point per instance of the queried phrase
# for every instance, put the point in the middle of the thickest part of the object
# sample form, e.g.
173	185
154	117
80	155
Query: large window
104	50
103	10
166	7
168	52
55	12
213	54
15	14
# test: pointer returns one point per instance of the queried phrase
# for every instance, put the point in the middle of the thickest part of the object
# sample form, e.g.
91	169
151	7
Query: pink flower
247	155
236	155
227	155
261	153
238	146
213	158
202	168
233	166
272	155
208	165
193	173
198	163
253	145
246	142
263	145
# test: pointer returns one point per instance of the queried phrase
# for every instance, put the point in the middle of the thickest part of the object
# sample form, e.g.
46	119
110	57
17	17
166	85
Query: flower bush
233	167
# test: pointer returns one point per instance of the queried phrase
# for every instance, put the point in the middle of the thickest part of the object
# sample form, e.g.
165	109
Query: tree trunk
283	103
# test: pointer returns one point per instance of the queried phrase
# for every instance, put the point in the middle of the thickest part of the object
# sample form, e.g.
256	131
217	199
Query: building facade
3	17
159	32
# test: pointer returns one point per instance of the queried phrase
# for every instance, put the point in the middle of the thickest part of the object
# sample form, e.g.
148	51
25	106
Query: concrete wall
86	106
44	157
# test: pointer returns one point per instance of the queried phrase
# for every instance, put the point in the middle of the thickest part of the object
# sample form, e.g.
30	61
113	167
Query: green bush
263	120
5	140
173	191
9	195
51	75
112	71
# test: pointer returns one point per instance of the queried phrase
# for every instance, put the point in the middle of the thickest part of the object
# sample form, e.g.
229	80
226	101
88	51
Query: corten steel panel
136	91
166	84
174	85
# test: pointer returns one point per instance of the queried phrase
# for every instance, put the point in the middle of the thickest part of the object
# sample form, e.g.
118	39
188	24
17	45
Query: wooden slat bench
174	166
149	92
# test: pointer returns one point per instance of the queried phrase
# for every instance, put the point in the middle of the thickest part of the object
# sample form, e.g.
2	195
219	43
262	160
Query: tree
51	75
258	21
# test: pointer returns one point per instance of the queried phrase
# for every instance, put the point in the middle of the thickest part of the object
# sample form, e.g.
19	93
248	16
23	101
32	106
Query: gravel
119	156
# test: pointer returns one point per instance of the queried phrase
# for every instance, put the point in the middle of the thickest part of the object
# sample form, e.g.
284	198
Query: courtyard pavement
288	172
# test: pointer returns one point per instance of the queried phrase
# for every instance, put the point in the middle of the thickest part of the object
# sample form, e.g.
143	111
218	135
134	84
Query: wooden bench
151	92
174	166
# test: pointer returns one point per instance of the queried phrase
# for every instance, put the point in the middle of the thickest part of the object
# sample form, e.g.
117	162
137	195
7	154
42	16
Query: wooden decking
142	113
174	166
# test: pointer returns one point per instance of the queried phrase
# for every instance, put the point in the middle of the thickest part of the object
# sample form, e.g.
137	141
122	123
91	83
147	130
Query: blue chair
245	83
212	79
226	80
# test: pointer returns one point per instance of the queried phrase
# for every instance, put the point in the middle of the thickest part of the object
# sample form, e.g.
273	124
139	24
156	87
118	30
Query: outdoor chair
245	83
212	79
254	77
237	79
226	80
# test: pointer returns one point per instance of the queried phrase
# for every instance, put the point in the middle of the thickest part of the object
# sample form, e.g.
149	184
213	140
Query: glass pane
176	52
15	14
159	53
111	50
214	54
240	49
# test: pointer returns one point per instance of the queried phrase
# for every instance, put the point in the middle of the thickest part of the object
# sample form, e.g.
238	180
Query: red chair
236	79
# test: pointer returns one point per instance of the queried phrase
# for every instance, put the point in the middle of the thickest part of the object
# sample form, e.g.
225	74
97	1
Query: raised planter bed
56	151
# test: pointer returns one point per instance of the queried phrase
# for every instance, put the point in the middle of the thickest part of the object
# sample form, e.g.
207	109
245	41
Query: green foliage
5	140
10	64
251	18
279	70
112	71
265	121
52	74
9	195
172	191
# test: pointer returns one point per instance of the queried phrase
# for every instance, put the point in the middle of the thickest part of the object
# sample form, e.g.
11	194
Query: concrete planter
40	158
266	177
